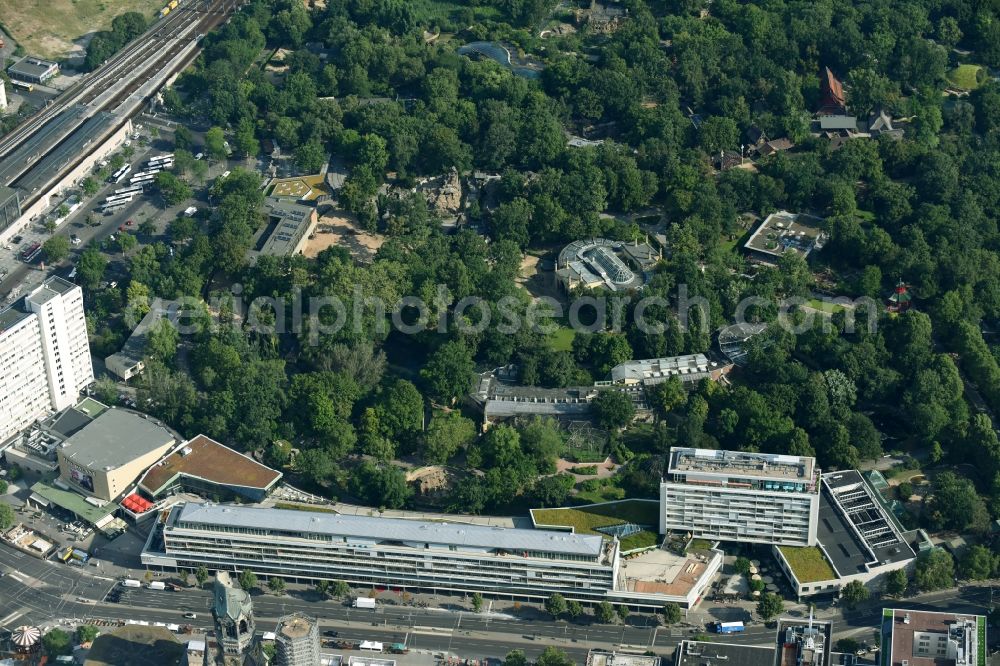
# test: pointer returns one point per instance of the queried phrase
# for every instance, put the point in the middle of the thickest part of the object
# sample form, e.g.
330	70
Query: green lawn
50	29
730	245
643	539
561	339
583	520
824	306
964	77
699	544
606	492
808	564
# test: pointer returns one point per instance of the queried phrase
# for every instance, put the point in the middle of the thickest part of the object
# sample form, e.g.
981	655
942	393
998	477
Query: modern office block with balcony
741	496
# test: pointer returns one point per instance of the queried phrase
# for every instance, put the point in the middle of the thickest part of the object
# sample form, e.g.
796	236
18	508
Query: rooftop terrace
785	232
295	626
660	571
803	643
741	463
961	637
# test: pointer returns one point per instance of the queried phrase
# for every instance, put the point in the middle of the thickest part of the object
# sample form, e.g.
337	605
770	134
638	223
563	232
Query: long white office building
738	496
385	552
44	355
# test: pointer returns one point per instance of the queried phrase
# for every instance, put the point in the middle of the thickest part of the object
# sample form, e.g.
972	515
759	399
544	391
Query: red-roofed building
833	102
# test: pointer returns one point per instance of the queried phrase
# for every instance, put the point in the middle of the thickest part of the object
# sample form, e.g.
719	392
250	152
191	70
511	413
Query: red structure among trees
833	101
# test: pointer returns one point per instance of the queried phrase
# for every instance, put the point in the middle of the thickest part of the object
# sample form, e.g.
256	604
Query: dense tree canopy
665	94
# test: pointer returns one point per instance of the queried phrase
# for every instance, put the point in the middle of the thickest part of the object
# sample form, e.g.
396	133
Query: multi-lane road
37	592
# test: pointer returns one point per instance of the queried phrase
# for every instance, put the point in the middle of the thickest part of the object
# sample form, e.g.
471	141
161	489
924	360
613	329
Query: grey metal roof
288	222
33	68
660	367
114	438
391	529
10	316
838	122
70	422
54	286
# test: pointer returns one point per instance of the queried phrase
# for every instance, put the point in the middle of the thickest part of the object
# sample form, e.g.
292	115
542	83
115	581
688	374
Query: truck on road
364	602
131	582
157	585
729	627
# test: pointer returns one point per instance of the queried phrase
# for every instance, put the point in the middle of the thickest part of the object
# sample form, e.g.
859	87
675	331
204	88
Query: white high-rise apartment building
44	355
739	496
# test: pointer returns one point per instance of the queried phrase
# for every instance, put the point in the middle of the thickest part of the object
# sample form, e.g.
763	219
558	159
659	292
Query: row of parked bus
137	183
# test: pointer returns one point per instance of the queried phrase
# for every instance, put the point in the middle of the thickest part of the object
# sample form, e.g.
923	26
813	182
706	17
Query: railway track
77	91
118	87
161	43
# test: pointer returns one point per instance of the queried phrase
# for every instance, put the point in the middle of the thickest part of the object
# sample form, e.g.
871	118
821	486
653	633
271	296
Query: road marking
18	577
10	618
433	631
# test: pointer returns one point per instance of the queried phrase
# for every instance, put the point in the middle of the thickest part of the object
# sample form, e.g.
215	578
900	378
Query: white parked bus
157	585
117	176
136	189
126	196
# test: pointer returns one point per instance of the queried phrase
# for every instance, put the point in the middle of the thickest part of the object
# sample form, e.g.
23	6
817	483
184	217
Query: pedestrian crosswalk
10	618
